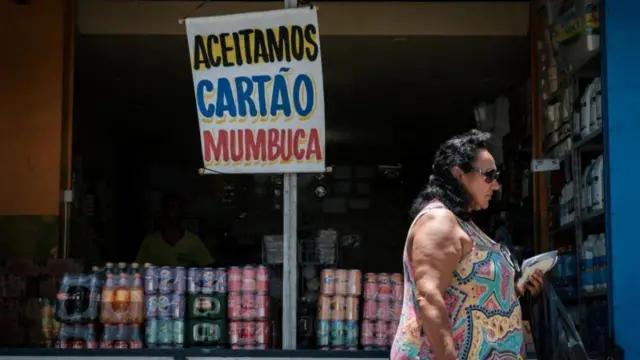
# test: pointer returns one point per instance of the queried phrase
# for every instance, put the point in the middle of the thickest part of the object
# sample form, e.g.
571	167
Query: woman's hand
534	284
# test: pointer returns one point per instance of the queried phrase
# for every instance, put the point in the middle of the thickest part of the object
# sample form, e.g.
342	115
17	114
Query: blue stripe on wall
621	55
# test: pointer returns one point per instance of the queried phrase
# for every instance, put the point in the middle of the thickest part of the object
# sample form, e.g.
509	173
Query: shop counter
186	354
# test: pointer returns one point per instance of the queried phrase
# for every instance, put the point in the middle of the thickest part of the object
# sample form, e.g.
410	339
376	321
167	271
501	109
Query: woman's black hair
459	151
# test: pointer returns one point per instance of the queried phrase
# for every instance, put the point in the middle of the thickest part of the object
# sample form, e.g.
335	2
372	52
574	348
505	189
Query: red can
248	279
262	280
384	287
77	344
235	330
384	311
248	306
366	335
120	345
262	306
397	291
370	288
391	333
370	310
234	306
234	280
396	311
262	332
380	330
248	333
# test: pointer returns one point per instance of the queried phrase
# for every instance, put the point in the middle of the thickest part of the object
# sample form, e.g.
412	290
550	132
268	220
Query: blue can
165	280
150	279
193	280
336	332
164	306
165	332
177	306
351	334
179	280
208	280
151	306
322	333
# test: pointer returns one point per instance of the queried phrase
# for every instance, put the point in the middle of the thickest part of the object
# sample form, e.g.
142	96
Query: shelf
563	228
592	217
590	142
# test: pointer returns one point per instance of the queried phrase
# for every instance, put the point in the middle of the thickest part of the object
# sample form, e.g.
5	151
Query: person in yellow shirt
173	245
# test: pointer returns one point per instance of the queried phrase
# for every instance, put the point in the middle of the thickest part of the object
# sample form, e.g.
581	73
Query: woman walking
460	294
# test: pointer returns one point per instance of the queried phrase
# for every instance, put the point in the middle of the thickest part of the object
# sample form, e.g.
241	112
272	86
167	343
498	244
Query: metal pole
290	258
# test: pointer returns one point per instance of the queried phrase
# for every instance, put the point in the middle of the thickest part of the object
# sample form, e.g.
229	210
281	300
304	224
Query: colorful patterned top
481	300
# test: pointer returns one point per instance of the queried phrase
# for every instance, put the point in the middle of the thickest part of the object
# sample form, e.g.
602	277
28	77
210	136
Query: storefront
42	205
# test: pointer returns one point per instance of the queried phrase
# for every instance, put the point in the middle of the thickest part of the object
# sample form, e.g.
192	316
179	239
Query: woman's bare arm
435	253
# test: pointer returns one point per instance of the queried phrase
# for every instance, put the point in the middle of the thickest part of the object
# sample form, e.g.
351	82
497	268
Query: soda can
208	281
322	333
262	280
234	306
352	308
165	278
397	288
151	332
396	311
234	280
380	330
370	287
180	280
177	306
351	333
221	280
120	344
370	310
262	306
327	282
324	307
384	311
193	280
164	305
178	332
336	333
248	333
338	308
262	333
248	279
354	283
384	287
391	333
151	306
340	281
366	335
165	331
235	329
248	306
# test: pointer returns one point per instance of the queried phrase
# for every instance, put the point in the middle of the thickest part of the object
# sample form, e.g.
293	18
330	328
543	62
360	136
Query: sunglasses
490	175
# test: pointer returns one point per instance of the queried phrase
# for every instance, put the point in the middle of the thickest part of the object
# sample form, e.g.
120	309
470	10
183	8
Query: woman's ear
457	172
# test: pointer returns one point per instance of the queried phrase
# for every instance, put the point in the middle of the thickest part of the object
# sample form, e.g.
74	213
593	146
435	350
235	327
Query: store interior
390	102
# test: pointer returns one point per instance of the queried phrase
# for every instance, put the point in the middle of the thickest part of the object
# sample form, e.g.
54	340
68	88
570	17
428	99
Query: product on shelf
383	295
206	315
337	327
594	263
248	307
164	305
122	295
121	336
78	297
77	336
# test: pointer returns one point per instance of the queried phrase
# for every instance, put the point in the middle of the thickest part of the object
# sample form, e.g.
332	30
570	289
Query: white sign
258	89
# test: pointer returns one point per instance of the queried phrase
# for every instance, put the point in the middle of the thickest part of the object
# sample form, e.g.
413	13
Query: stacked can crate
77	310
249	326
339	309
206	314
164	289
383	294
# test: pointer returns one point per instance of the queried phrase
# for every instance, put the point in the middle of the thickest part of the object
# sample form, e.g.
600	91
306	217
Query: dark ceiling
377	89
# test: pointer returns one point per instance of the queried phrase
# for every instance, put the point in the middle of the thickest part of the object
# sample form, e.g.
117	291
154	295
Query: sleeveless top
481	301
